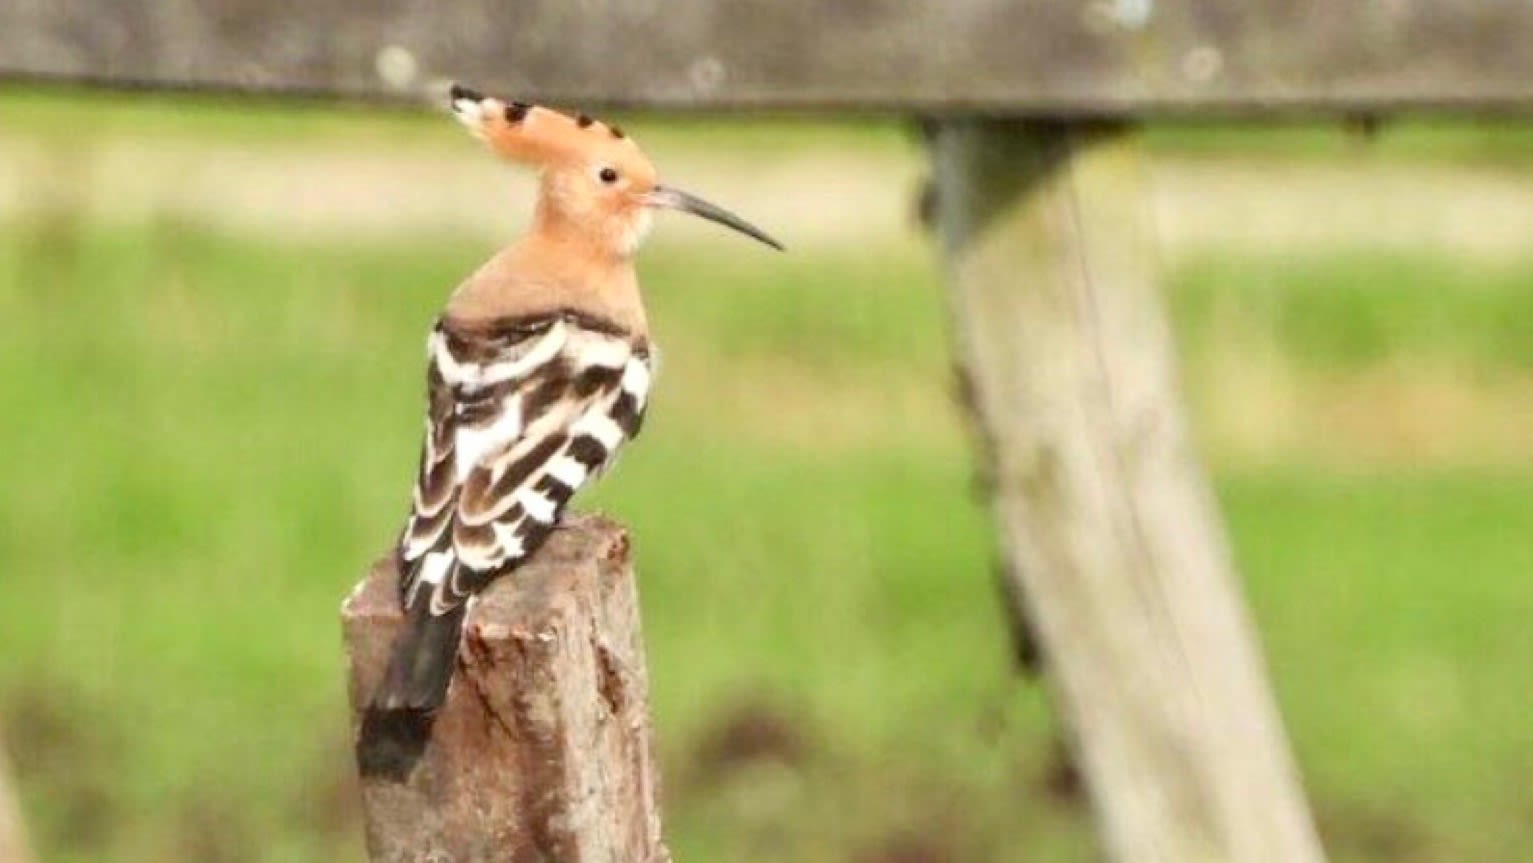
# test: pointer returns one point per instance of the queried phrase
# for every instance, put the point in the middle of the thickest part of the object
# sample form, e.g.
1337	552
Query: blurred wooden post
542	751
1104	514
13	836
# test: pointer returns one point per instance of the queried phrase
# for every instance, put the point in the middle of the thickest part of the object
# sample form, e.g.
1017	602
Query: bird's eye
608	175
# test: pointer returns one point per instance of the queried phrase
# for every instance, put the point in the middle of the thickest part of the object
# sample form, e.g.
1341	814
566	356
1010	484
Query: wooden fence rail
1041	57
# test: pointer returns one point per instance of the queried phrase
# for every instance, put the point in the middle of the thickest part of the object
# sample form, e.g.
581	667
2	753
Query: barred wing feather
522	414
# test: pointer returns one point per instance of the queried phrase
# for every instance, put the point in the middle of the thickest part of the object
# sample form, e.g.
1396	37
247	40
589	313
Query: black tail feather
422	662
397	724
392	742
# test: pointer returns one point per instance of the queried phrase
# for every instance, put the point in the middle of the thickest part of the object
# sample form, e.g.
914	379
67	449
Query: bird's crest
595	177
537	135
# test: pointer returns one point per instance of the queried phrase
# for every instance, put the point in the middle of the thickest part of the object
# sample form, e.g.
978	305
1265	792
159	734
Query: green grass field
210	435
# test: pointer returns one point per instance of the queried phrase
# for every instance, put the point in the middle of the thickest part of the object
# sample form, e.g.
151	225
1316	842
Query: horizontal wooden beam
1038	57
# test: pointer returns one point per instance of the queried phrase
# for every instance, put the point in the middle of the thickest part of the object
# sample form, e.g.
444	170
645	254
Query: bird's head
596	182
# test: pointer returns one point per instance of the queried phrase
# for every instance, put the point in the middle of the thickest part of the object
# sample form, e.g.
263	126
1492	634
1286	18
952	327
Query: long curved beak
668	198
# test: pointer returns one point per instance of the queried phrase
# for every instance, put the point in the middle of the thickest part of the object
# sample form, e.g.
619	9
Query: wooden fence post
542	751
13	836
1103	513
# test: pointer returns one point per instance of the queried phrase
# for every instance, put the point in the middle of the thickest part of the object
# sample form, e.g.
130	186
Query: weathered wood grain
1040	57
13	835
1103	512
542	751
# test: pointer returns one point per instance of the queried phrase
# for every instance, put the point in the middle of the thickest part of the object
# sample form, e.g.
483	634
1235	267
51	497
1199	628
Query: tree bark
1106	522
542	750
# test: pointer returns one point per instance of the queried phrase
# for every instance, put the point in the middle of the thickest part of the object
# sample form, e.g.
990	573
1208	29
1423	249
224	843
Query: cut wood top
542	750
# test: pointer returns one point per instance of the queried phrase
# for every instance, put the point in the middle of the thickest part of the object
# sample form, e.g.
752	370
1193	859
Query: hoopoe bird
539	369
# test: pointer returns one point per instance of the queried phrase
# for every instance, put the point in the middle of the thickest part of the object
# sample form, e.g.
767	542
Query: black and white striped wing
523	413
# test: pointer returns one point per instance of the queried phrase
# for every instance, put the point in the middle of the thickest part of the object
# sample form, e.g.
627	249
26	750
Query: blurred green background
212	315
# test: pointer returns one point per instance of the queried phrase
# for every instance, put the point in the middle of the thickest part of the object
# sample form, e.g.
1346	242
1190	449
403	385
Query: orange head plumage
596	182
